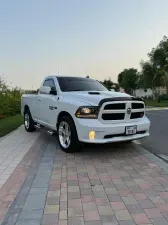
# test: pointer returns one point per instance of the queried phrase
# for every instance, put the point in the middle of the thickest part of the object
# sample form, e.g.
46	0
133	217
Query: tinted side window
49	83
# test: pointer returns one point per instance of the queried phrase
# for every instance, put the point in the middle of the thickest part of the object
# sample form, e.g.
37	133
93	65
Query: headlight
89	112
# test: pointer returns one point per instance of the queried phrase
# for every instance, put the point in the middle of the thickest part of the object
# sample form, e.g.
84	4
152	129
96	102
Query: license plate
130	130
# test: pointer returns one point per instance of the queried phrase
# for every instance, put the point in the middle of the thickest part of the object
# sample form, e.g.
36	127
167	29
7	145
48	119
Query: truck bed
30	100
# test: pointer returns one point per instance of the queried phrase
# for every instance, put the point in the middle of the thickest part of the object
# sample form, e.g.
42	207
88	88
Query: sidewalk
150	108
121	184
13	148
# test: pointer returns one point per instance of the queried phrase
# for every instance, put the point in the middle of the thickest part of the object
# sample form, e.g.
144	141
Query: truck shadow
112	147
96	149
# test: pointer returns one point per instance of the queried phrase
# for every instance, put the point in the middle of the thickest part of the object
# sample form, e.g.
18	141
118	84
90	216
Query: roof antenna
87	76
58	69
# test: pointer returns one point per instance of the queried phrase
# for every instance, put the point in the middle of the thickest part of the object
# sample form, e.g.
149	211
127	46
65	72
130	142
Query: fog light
91	135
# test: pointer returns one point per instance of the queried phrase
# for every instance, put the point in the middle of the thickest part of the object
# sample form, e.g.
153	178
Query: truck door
48	105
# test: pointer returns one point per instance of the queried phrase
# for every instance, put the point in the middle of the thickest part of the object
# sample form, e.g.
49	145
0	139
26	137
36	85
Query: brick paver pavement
120	184
12	150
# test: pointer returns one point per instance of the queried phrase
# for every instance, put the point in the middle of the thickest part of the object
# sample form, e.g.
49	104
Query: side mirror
53	91
45	90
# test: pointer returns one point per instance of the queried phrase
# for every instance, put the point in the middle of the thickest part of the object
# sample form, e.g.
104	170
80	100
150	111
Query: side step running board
45	130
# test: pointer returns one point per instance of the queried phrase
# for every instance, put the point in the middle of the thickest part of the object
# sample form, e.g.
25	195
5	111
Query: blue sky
77	37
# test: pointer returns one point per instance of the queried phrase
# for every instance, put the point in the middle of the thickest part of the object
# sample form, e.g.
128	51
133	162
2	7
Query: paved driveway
108	185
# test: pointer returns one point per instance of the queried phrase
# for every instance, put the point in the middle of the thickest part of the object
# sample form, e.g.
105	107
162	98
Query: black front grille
113	116
115	106
136	115
123	134
137	105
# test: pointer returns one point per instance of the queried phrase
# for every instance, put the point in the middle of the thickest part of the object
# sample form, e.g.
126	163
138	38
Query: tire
28	121
73	145
127	142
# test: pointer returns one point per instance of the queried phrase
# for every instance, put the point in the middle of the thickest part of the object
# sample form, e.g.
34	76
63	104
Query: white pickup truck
83	110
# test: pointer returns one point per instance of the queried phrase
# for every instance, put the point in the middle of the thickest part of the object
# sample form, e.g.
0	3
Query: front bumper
117	130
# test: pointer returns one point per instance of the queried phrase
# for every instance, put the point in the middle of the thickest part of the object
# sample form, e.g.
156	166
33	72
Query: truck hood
93	97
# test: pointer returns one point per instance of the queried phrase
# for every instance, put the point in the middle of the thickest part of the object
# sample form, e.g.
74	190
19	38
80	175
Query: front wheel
67	135
127	142
29	122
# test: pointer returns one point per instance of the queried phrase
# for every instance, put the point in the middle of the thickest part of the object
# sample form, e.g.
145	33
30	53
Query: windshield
68	84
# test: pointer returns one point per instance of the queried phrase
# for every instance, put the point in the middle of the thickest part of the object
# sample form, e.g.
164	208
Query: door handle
52	107
39	99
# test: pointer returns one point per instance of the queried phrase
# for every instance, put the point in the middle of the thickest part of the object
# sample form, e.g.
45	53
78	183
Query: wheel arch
26	108
62	114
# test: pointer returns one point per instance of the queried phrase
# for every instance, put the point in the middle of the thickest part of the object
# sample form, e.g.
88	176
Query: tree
128	79
120	78
153	74
147	75
116	86
3	85
108	84
159	59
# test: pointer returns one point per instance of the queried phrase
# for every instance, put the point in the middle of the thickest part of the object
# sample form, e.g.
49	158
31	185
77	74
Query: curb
155	158
7	135
156	108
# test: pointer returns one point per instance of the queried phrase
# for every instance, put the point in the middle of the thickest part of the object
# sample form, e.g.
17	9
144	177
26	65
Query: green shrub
10	103
163	97
10	100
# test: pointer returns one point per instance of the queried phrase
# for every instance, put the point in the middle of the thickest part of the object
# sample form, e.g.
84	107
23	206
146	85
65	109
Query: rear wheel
29	122
67	135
